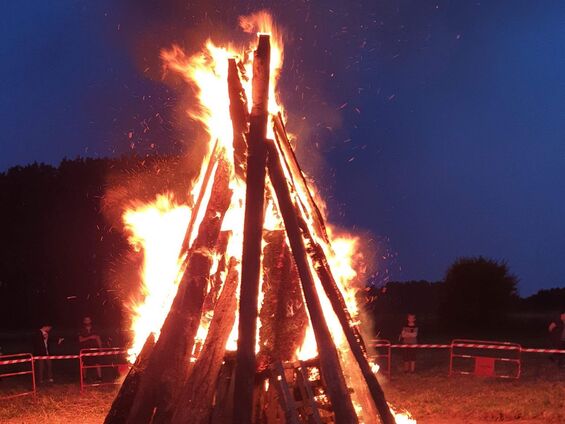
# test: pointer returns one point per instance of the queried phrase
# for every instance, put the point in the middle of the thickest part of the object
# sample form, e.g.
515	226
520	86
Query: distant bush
479	292
552	300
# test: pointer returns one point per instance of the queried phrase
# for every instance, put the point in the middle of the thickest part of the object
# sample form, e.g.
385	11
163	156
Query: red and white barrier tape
15	361
413	346
467	345
533	350
393	346
485	346
55	357
105	353
423	346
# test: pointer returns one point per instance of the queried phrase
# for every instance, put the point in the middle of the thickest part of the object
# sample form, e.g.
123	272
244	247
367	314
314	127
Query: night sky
437	126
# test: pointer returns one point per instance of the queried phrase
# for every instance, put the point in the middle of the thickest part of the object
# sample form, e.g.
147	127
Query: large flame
158	228
154	230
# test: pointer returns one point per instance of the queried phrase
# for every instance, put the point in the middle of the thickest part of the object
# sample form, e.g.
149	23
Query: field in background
429	394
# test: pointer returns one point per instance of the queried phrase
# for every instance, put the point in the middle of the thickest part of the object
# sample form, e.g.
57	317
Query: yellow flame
154	230
262	23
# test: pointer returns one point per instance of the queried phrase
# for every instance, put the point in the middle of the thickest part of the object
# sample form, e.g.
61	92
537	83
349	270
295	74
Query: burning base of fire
249	311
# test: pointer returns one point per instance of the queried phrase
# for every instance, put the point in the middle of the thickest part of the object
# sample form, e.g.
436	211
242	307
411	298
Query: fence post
451	359
81	371
33	376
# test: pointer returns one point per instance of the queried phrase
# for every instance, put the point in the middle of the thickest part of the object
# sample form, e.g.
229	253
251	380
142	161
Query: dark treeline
519	319
63	249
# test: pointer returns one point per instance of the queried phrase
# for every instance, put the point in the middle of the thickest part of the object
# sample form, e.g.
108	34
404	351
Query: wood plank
169	362
323	270
124	399
329	362
195	402
252	235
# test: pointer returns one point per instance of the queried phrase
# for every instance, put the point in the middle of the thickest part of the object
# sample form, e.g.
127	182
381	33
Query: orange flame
154	229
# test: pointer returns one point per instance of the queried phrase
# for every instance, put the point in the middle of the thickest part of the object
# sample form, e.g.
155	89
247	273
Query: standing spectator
409	335
41	344
90	339
557	334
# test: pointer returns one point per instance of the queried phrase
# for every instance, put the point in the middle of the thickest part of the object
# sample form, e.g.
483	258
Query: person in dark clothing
557	334
89	338
409	335
41	347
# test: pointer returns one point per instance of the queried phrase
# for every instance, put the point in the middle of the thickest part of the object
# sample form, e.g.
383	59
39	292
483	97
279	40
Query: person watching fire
90	339
42	347
557	334
409	335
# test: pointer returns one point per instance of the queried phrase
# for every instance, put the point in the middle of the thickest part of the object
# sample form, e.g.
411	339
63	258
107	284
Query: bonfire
248	314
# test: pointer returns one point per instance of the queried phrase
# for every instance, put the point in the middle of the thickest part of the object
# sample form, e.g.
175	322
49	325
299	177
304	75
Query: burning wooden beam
297	176
194	404
168	365
329	362
239	117
283	313
198	201
217	280
120	408
352	334
223	400
323	270
252	234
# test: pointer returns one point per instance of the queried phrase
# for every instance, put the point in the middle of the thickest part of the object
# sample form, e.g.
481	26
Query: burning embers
253	235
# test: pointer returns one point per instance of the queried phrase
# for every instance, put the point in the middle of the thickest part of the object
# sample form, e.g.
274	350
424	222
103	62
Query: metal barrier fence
20	358
483	364
484	357
85	364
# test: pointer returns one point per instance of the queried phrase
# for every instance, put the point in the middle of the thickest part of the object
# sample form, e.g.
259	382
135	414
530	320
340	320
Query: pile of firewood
166	384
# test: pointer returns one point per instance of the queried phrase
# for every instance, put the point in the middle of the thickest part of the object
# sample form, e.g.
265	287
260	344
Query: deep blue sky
439	126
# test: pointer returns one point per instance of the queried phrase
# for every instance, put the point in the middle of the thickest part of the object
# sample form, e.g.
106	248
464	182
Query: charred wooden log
323	270
195	401
121	406
329	361
297	176
352	334
252	233
223	404
168	366
283	314
239	117
216	281
214	155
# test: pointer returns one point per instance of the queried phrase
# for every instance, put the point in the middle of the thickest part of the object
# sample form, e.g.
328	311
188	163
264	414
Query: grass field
437	398
429	394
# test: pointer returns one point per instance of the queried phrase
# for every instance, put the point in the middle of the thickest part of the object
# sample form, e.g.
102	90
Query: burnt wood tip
264	44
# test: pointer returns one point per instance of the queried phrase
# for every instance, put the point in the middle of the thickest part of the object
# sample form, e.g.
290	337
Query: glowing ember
402	417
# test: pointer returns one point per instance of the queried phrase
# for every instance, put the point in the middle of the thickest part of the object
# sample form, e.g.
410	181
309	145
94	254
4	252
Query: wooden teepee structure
164	385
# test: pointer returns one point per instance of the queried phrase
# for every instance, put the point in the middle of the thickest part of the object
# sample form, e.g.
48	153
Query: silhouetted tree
63	249
545	300
478	293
